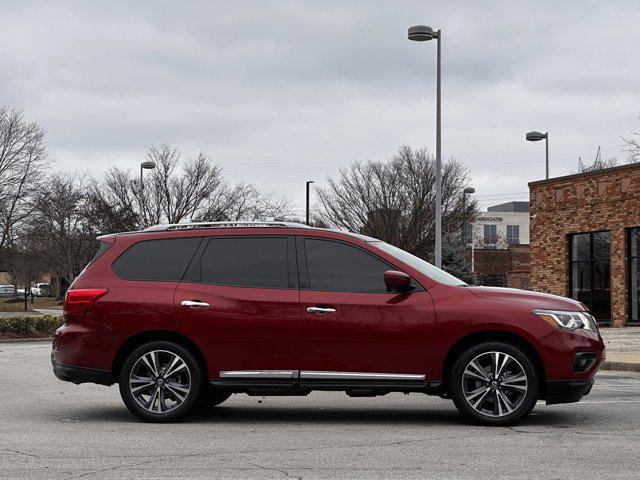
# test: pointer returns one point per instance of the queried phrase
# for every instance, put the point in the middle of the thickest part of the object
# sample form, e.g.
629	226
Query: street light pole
546	138
535	136
309	182
438	160
465	192
143	166
421	33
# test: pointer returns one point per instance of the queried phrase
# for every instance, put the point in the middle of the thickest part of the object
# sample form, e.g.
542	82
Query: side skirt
294	382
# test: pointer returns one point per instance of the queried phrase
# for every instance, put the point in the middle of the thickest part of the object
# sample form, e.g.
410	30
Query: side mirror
397	281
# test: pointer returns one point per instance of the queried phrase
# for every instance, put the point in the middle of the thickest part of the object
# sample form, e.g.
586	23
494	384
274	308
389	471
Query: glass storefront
590	272
634	267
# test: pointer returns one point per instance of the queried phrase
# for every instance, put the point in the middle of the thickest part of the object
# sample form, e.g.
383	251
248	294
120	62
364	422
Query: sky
280	92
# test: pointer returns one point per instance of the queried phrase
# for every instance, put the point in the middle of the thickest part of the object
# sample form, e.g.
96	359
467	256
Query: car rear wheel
160	382
494	383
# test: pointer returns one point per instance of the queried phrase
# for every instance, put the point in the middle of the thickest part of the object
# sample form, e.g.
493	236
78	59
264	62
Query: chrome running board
317	375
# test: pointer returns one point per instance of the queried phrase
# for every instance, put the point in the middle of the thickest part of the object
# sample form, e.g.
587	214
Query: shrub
35	326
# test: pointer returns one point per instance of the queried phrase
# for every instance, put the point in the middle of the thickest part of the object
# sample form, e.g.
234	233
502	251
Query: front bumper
567	391
79	375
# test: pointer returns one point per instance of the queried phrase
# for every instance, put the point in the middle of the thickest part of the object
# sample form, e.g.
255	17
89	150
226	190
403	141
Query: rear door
352	327
239	301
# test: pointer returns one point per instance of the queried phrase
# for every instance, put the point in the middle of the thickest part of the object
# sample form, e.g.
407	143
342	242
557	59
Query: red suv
181	313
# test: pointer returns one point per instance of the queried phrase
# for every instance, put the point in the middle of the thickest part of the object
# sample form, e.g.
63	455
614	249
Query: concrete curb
621	366
26	340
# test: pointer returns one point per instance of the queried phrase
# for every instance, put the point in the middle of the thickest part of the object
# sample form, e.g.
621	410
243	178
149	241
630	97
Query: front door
352	327
240	303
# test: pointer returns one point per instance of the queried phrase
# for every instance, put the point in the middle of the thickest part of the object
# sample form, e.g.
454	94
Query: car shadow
265	415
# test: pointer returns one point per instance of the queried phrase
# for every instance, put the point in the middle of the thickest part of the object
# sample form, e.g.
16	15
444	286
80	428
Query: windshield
419	264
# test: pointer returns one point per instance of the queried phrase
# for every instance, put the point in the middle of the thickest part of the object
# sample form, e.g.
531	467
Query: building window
490	235
634	270
513	234
590	272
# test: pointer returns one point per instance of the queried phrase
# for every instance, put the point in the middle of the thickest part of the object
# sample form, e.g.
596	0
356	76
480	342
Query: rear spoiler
110	238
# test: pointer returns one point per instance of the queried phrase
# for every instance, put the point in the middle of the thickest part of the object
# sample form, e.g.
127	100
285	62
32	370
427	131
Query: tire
486	400
152	395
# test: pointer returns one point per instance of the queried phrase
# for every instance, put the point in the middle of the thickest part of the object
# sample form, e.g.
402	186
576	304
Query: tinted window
340	267
590	272
246	262
160	260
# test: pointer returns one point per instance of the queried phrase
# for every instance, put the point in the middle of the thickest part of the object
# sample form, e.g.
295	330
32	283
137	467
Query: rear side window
104	246
156	260
336	266
246	262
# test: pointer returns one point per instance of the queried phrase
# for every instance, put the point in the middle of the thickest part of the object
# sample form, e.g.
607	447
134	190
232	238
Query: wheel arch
487	336
141	338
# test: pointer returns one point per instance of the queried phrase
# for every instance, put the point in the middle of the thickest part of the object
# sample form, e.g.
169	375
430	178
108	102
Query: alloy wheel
160	381
494	384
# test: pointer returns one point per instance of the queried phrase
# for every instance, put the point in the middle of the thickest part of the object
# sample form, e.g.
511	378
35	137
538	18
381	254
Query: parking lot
51	429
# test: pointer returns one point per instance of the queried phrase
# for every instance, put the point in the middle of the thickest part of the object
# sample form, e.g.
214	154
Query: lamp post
309	182
148	165
537	136
422	33
465	192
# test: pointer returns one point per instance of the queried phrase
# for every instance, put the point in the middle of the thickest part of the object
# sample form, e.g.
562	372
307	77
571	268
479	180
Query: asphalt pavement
53	429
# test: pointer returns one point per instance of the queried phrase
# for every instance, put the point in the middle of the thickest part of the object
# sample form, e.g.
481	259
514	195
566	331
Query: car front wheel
494	383
160	382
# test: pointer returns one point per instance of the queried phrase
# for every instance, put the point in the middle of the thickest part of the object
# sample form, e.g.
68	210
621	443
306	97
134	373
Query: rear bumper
78	375
567	391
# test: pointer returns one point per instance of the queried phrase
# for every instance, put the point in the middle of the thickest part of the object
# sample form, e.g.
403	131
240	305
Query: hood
532	299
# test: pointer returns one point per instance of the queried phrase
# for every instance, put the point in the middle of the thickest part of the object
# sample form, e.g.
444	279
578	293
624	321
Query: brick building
502	267
585	239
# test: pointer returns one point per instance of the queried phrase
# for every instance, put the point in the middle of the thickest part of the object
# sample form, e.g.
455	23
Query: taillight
77	301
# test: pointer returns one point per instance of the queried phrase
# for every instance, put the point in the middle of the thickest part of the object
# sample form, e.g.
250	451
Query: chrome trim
194	304
316	375
321	310
260	374
196	225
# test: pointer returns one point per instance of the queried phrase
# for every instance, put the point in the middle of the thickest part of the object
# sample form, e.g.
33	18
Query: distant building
502	225
500	254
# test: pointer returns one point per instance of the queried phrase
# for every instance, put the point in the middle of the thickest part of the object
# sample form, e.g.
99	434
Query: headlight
568	320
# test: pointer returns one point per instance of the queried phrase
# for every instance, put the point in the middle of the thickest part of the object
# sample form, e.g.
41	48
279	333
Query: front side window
590	272
162	260
260	262
424	267
336	266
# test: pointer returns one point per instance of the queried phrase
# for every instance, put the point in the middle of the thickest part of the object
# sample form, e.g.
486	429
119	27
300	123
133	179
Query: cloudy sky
278	92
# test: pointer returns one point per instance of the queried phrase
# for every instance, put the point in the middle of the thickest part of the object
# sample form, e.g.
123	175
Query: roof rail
197	225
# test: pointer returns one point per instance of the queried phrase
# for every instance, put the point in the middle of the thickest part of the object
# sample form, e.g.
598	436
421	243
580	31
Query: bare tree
111	203
395	200
59	227
25	265
23	163
244	202
179	190
632	146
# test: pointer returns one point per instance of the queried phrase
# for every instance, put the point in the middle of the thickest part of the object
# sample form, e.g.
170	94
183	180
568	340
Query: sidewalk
36	312
623	348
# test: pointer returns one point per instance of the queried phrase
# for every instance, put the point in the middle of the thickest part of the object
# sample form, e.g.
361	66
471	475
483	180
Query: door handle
194	304
321	310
